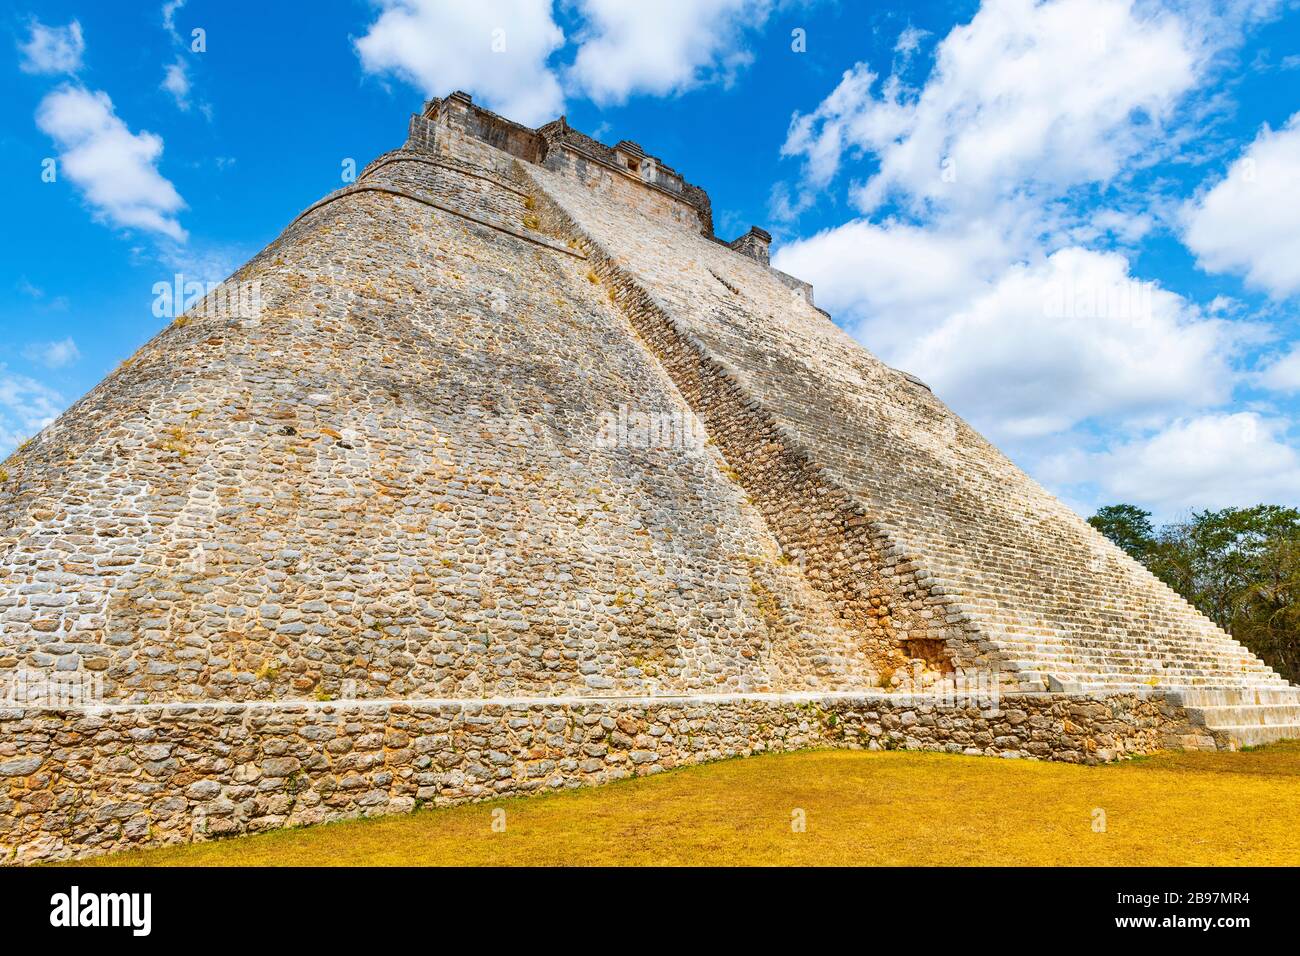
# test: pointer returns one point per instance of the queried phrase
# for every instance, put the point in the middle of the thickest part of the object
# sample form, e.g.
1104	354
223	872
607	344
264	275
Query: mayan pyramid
511	422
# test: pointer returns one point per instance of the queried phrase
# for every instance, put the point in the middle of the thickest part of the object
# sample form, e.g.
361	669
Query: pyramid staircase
1223	686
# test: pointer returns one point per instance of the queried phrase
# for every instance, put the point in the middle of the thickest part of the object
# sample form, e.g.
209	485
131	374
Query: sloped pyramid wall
517	479
1014	578
410	474
392	483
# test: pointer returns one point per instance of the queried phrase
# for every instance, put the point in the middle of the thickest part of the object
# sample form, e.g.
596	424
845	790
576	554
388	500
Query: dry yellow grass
861	809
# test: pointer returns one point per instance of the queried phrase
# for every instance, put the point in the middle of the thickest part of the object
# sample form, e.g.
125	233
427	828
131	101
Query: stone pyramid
503	420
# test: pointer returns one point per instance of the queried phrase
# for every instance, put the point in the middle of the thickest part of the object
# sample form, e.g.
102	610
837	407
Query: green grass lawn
860	809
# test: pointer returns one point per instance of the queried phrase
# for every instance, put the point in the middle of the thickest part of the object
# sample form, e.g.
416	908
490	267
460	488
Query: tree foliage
1128	526
1239	566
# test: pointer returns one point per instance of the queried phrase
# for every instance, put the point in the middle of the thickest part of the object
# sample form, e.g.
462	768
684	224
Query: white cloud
1282	373
1036	106
1210	461
848	117
169	10
1246	224
785	207
1124	227
1028	98
52	49
176	81
1224	305
494	49
26	406
909	41
661	48
893	281
1070	339
988	194
53	354
115	169
1067	338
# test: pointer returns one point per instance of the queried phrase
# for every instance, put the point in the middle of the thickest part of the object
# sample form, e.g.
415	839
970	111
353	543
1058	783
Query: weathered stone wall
79	784
415	479
389	484
1026	581
870	582
472	189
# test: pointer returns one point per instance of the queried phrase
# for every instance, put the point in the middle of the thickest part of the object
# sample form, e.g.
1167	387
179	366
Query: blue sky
1077	219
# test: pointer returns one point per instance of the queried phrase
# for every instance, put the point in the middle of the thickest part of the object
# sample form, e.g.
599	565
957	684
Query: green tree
1128	526
1239	566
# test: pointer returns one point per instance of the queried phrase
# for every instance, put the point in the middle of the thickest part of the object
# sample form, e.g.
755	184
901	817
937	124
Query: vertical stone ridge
1038	588
904	613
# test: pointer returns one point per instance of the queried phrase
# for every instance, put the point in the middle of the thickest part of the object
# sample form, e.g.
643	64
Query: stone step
1254	736
1060	642
1172	661
996	608
1247	715
1145	669
1132	675
1233	666
1211	697
1085	683
1149	648
1065	639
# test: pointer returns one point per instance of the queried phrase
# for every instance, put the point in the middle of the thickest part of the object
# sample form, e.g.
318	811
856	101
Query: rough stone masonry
520	477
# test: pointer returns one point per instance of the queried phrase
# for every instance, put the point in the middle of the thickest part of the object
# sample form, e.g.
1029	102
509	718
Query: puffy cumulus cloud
662	47
1028	98
1246	223
52	49
1122	227
26	406
988	194
1282	372
1028	350
115	169
1070	339
1210	461
983	277
889	282
1025	350
53	354
495	49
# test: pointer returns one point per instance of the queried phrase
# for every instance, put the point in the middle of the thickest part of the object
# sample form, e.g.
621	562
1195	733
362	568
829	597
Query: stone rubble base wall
78	784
